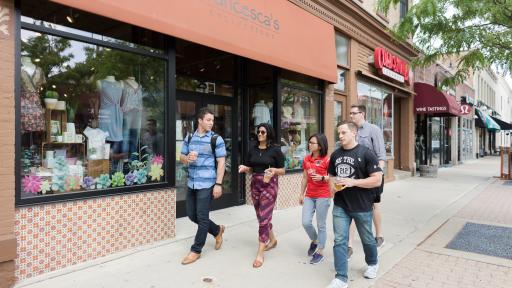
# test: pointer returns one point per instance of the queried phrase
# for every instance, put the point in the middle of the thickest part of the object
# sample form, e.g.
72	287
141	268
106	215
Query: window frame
170	97
342	66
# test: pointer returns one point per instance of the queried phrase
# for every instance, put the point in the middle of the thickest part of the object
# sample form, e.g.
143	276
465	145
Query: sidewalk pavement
413	209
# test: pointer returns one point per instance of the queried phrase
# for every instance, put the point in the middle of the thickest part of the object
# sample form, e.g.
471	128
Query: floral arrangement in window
89	183
141	176
45	187
156	171
72	182
60	172
118	179
103	181
31	184
129	178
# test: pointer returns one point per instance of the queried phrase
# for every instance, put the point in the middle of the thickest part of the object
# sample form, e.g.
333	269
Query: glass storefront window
341	50
259	91
379	110
204	70
92	117
299	120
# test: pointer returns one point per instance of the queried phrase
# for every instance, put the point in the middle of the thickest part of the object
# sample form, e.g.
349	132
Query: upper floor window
341	50
404	7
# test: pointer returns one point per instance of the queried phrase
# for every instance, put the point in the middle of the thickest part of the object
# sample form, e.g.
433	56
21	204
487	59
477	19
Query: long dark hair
271	136
322	143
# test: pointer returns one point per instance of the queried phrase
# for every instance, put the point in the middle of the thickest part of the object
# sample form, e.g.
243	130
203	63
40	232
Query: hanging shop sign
465	109
391	65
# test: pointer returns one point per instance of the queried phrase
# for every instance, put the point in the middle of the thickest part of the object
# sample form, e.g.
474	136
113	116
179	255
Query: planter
61	105
50	103
429	171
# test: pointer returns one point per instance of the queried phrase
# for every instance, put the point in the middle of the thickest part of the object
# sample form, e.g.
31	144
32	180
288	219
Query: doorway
188	104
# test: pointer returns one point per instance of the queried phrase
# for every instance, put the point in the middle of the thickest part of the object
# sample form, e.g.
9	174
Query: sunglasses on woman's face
262	132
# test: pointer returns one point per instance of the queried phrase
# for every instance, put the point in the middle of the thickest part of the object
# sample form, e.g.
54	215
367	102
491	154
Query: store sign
465	109
432	109
391	65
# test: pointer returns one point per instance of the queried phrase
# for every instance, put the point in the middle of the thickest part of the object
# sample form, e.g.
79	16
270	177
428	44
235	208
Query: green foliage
479	32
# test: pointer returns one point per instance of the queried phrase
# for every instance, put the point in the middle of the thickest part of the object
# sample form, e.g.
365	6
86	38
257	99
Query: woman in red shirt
316	196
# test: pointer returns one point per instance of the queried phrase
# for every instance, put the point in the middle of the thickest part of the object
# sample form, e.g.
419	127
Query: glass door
187	106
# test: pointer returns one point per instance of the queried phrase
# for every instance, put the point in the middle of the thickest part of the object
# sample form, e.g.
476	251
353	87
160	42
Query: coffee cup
267	176
193	155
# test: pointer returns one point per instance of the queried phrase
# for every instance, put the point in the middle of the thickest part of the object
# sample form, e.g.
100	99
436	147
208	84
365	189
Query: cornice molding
357	23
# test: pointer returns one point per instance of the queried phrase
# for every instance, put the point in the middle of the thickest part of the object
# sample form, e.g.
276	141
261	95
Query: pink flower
157	159
31	184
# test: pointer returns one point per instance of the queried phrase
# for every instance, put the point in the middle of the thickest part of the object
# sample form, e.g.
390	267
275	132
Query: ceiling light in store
202	69
37	60
92	68
70	19
53	86
217	67
65	95
152	77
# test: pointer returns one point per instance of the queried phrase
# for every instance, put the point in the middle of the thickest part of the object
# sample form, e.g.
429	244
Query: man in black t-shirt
354	171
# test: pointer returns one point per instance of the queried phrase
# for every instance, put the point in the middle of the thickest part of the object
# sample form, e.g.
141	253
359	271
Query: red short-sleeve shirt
316	189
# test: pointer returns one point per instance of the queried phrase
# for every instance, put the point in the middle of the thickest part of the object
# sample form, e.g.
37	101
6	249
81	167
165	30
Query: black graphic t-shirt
357	163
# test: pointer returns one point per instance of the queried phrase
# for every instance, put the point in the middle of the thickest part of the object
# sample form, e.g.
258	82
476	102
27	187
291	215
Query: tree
477	32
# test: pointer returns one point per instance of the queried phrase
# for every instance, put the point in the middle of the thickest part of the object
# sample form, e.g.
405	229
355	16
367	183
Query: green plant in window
118	179
103	181
60	172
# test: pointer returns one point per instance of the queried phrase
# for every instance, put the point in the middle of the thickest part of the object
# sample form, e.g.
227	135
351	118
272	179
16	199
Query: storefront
434	126
466	129
486	132
373	70
105	95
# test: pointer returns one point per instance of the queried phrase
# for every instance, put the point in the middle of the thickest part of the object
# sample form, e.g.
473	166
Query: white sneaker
371	271
337	283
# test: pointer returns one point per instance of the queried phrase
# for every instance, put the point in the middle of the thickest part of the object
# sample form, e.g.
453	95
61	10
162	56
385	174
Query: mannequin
32	113
260	113
297	110
131	104
111	116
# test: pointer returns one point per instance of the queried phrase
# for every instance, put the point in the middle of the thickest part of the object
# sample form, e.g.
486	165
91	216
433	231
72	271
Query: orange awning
275	32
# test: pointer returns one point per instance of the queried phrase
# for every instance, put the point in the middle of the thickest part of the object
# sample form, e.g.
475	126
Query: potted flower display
50	99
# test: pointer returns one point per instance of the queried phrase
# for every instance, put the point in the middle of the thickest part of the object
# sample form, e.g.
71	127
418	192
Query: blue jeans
321	207
341	223
131	132
198	211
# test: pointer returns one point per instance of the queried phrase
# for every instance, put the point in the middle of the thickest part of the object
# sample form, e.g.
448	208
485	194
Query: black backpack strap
213	145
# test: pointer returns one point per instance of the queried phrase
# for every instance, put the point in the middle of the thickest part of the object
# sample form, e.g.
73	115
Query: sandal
257	263
270	245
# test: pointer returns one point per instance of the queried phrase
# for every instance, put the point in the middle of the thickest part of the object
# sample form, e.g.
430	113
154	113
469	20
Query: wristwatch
323	178
219	184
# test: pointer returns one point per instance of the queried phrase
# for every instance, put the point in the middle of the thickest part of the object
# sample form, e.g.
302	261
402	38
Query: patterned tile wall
54	236
288	194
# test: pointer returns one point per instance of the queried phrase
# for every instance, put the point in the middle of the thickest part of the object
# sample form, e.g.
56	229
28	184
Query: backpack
213	145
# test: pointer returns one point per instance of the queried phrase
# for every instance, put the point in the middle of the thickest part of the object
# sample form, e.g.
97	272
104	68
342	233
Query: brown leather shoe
218	238
191	258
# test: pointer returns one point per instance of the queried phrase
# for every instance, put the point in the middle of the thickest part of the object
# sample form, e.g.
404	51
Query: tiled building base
54	236
288	194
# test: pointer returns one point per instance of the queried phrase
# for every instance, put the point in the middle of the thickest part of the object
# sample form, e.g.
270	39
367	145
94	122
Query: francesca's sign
465	109
391	65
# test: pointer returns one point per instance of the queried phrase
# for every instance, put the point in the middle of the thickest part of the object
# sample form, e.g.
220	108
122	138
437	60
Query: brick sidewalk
421	268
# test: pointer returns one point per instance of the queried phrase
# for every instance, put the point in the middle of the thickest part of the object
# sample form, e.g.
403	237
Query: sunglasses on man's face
262	132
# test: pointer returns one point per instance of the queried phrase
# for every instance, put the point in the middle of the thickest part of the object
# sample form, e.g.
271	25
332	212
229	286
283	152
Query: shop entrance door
187	107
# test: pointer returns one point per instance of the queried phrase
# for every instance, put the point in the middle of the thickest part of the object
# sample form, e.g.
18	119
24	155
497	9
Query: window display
379	109
299	120
89	134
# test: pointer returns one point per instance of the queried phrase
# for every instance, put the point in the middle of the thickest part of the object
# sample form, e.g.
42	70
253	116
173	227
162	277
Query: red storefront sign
391	65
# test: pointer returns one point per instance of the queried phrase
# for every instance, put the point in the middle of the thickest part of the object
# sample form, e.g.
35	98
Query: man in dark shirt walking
354	171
